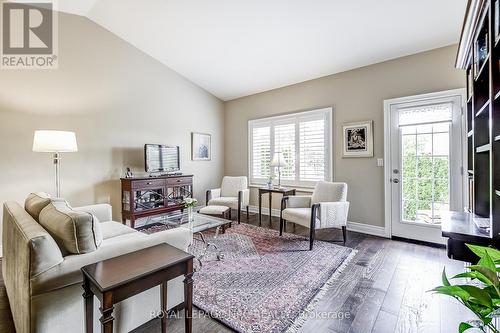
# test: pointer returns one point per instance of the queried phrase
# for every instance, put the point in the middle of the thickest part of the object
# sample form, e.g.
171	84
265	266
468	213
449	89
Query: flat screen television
161	158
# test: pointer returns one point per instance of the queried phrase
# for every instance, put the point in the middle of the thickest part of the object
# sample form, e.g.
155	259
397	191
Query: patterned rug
271	289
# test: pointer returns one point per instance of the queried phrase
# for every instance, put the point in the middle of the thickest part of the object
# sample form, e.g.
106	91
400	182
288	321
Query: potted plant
269	181
482	294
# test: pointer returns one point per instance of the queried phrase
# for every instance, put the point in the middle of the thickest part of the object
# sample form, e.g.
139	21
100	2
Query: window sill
298	188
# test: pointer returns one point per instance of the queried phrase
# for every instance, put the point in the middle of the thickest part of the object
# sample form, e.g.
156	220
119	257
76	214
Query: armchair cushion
231	202
329	192
299	201
232	185
301	216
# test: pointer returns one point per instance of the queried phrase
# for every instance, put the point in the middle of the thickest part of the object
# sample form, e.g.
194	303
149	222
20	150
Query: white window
303	138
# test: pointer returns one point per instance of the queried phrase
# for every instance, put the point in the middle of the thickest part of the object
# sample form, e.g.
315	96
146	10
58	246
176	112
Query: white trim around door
388	154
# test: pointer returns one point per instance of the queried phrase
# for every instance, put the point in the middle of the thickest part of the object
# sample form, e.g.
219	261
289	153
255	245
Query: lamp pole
57	160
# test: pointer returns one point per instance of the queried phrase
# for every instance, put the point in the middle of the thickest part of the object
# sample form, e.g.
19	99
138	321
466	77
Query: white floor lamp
55	142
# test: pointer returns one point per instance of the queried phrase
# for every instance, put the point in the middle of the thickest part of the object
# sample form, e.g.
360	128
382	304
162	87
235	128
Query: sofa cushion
112	229
35	202
74	231
69	271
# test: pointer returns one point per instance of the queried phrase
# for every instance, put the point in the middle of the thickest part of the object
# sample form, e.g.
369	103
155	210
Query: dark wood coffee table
119	278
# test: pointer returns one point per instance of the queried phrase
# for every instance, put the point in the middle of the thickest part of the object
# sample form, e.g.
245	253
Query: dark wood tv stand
148	196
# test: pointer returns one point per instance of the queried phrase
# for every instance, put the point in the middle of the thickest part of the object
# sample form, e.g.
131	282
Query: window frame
296	118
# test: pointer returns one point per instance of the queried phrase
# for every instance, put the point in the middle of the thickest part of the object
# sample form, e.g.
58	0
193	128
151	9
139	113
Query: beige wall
117	99
355	95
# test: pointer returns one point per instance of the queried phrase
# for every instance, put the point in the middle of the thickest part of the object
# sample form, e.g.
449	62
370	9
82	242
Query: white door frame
388	103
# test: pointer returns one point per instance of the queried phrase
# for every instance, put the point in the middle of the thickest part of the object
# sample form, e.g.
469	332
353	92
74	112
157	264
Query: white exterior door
424	173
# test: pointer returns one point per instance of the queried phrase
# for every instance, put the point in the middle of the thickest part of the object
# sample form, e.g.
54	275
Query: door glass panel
425	142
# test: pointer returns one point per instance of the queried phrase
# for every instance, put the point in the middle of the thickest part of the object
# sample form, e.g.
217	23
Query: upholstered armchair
233	193
326	208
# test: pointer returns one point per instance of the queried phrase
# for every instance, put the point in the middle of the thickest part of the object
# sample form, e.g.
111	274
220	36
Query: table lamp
55	142
278	161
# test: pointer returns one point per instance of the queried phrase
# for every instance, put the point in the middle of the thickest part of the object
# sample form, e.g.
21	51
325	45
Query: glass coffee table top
200	222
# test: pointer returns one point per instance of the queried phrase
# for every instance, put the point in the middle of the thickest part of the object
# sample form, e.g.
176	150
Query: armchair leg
248	218
281	225
312	229
239	215
344	233
311	238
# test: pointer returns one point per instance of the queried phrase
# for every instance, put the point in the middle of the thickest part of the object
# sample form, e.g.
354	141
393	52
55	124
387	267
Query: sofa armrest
103	212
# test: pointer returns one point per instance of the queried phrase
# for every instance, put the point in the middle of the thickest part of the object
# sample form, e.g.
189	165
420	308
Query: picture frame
357	139
201	146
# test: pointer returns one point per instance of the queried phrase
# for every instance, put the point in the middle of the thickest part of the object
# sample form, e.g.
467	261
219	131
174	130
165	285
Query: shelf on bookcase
483	108
497	192
497	95
484	148
485	64
470	133
497	138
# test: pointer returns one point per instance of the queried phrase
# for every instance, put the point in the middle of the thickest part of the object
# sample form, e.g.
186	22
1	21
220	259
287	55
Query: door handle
395	181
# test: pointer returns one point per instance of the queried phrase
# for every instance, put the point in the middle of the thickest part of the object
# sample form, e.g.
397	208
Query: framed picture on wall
358	139
201	149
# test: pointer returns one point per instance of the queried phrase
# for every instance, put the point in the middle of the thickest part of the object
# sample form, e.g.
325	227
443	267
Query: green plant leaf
463	327
478	295
444	278
487	262
453	291
481	250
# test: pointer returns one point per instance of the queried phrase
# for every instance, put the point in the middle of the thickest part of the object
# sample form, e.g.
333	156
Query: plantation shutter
312	150
261	152
284	142
304	140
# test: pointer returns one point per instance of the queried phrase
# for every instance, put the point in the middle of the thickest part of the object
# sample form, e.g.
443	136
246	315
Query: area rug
273	291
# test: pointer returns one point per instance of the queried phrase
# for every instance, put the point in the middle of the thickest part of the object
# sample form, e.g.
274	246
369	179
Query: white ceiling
234	48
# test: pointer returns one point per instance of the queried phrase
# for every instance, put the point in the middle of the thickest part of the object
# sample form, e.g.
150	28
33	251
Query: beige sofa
44	287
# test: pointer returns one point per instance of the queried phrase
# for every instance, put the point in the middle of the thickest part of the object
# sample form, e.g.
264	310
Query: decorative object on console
129	173
201	149
56	142
358	139
190	203
279	162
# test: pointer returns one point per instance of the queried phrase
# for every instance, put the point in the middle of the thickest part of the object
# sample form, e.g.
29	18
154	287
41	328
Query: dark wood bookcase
479	56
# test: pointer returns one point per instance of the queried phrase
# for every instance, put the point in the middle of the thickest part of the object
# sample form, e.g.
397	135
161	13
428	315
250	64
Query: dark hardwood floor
383	290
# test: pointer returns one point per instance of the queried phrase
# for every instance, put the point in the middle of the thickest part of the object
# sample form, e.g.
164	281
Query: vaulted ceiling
234	48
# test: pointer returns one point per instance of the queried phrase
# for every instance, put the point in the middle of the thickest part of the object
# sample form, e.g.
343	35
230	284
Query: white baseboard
351	226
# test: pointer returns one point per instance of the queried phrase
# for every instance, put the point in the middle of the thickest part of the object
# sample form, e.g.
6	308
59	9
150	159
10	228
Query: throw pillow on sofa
74	231
35	202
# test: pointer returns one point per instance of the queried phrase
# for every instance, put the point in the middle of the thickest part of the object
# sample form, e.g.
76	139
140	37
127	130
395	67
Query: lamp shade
46	141
278	160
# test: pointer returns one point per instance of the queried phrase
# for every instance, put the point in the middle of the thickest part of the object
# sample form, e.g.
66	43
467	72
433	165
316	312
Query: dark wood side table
270	191
119	278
